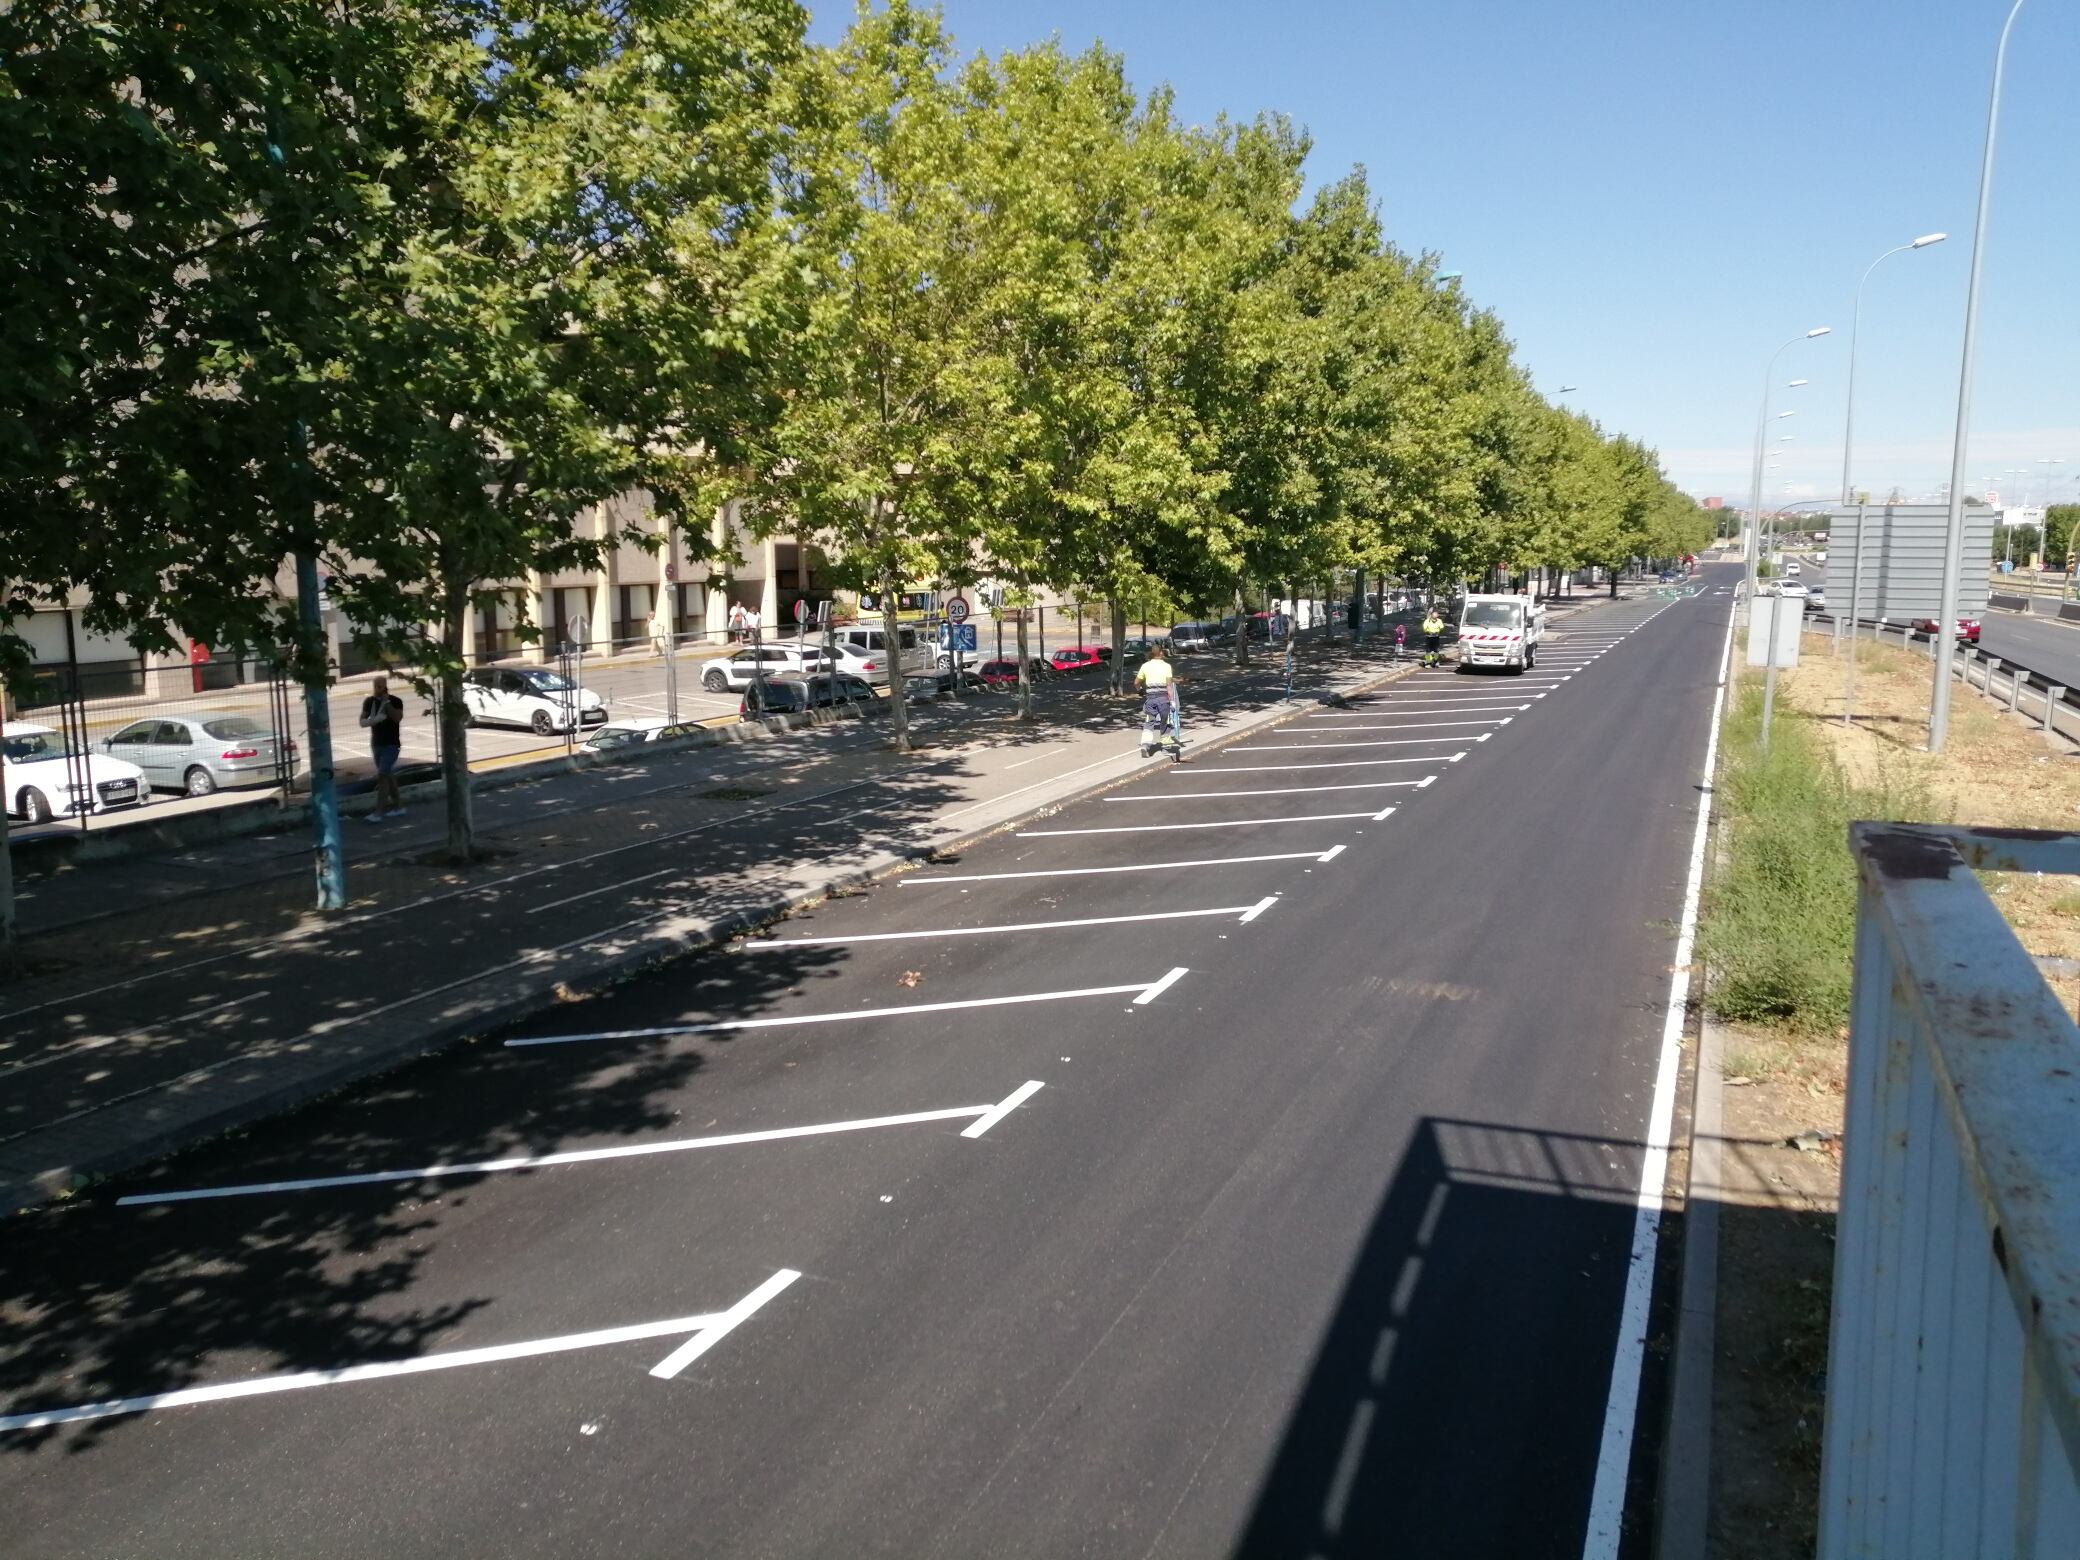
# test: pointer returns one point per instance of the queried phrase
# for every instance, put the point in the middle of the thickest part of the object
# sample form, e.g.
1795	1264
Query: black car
786	695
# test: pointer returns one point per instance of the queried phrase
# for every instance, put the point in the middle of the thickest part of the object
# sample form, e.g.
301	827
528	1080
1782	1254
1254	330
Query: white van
1500	631
863	652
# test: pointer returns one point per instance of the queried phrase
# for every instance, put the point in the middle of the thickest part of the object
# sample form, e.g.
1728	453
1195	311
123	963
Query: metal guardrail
1953	1383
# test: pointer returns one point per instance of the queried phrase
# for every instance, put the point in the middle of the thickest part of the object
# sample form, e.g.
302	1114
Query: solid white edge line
1150	992
1218	823
825	1018
1259	908
574	1156
1621	1406
261	1386
1003	1108
770	943
704	1340
1331	853
1138	866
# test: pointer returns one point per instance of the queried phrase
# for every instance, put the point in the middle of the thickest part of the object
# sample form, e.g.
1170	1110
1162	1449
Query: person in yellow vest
1157	681
1433	638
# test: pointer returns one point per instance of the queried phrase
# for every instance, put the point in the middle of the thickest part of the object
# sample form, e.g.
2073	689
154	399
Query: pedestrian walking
1433	638
1400	640
382	713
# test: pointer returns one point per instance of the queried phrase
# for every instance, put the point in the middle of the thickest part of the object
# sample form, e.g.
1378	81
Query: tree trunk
1025	664
1241	629
891	628
7	926
462	820
1119	647
1358	606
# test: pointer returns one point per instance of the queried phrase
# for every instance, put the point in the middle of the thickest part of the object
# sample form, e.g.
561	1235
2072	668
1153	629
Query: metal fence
1953	1382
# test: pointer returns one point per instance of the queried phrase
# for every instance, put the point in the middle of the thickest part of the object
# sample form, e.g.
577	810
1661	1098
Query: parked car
1792	588
869	644
1967	628
537	697
200	751
1187	637
43	782
1816	598
785	695
635	732
1073	660
1004	674
739	670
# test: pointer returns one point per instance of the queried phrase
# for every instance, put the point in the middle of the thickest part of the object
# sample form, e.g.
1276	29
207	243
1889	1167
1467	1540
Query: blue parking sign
957	636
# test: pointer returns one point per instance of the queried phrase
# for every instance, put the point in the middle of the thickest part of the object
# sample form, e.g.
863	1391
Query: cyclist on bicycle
1157	681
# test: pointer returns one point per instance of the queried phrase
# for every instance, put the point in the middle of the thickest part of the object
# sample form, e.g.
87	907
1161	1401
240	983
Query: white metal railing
1953	1380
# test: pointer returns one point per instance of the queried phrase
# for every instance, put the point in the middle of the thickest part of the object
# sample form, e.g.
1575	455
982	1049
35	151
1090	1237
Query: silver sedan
202	751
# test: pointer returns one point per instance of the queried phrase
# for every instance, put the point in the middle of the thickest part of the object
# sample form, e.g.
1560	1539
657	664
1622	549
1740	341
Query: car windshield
231	727
1490	614
546	682
29	747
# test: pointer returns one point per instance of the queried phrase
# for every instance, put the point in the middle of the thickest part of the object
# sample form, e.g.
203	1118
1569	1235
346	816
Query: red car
1967	629
1004	674
1078	660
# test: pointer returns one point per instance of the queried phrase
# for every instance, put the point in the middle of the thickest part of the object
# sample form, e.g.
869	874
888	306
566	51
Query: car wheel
36	806
542	724
199	781
714	681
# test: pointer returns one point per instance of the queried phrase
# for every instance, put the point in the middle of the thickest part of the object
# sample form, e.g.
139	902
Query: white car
1791	570
863	651
735	672
43	783
1793	589
537	697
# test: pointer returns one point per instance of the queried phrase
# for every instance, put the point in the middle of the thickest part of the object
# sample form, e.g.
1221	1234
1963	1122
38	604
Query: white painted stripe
1316	747
1332	852
575	1156
1383	814
1442	706
455	1359
1259	908
1003	1108
825	1018
1621	1406
1156	988
1282	790
1219	823
604	888
1041	754
1426	725
766	945
1342	763
1139	866
704	1340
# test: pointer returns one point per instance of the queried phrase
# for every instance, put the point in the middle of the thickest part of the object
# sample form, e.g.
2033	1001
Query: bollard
1993	664
2052	696
2016	677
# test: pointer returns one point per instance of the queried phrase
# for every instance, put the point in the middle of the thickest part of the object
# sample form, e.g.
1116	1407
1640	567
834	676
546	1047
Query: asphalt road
1313	1238
2047	645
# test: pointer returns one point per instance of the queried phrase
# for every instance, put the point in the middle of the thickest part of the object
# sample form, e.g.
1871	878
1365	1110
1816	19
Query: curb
147	1126
1683	1506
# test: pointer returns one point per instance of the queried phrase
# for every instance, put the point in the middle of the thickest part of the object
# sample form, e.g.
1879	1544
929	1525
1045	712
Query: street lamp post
1953	541
1769	686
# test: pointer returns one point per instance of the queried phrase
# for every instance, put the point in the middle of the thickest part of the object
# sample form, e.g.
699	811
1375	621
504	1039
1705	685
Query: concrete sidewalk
166	998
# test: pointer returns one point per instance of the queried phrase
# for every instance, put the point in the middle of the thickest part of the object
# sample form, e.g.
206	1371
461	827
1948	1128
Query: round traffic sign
957	609
801	611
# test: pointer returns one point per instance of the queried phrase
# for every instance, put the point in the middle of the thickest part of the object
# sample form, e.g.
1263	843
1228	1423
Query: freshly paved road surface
1311	1241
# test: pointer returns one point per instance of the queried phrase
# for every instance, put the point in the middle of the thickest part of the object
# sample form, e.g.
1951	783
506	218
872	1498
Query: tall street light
1762	423
1953	541
1855	327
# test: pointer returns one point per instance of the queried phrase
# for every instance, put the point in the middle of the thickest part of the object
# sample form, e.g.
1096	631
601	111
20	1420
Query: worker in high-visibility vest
1433	638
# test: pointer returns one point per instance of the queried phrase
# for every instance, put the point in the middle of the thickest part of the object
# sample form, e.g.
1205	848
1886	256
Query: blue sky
1654	195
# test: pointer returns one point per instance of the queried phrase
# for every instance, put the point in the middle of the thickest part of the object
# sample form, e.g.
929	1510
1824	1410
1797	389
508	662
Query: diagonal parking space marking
1342	763
1283	790
576	1156
1247	912
707	1329
725	1324
1448	706
1316	747
1138	866
1218	823
792	1020
1419	725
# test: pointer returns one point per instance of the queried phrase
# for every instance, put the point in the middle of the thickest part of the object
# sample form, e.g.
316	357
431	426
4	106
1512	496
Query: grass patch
1780	920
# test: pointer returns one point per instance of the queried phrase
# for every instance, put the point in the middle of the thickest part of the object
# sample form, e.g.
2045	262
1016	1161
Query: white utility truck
1500	631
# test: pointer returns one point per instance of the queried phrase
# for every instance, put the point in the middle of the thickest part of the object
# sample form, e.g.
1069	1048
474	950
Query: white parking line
1283	790
1425	725
1139	866
725	1324
1247	912
711	1328
1170	978
717	1025
1312	747
1428	706
1219	823
1342	763
1003	1108
576	1156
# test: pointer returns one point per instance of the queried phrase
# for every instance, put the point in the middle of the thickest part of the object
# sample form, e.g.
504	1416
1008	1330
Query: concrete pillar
769	588
605	591
537	589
